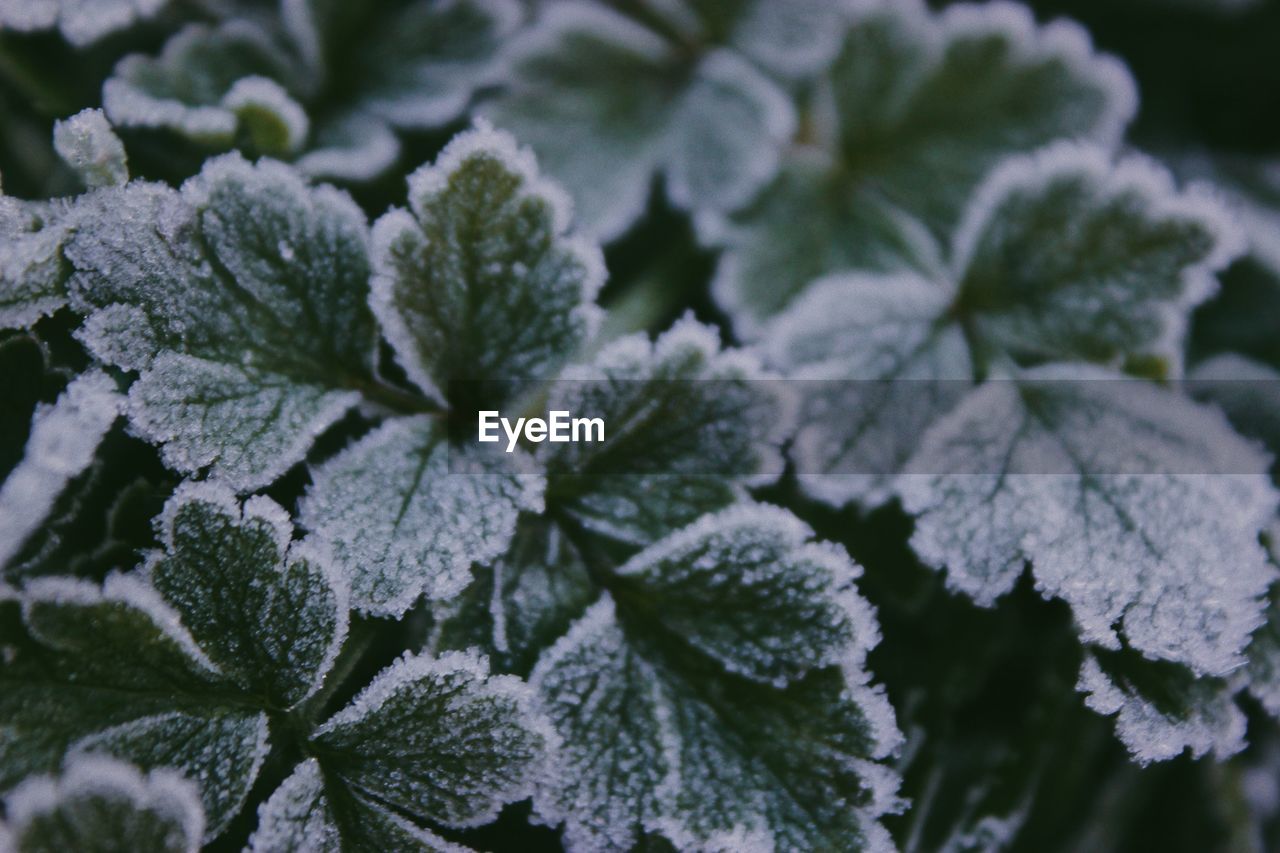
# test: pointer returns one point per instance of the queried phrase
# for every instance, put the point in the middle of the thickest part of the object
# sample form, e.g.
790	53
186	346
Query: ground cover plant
934	353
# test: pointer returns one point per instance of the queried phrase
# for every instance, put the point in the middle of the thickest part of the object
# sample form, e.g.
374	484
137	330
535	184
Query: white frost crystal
97	801
89	145
753	721
63	440
919	106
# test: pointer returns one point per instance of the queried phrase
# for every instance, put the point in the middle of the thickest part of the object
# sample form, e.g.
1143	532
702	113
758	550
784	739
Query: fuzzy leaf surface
406	514
241	302
671	726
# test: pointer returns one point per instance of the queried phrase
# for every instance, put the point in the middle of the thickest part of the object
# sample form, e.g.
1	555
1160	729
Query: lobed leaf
1061	256
79	22
698	111
922	104
750	726
270	615
482	281
240	300
98	806
406	515
439	739
1137	507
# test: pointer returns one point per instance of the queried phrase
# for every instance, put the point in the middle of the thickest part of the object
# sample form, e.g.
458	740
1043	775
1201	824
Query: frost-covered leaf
61	445
103	806
687	424
176	666
241	300
482	281
110	670
439	739
203	86
877	366
921	105
257	82
1136	506
1247	391
301	814
89	145
687	427
1065	256
220	750
32	273
431	57
269	614
523	601
749	727
407	515
80	22
1061	256
607	102
1160	708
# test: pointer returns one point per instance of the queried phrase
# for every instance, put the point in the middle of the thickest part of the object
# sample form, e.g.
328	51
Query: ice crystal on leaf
61	445
1060	256
607	100
240	300
183	663
99	805
753	720
481	281
917	107
1135	505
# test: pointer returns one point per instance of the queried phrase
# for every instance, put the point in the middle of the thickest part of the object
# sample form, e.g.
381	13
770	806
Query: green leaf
878	365
688	428
269	614
607	102
750	726
61	444
306	812
241	301
1161	709
1109	259
920	106
1136	506
100	806
481	280
210	83
32	273
406	514
220	750
1061	256
259	79
439	739
112	670
426	61
520	603
235	623
688	425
